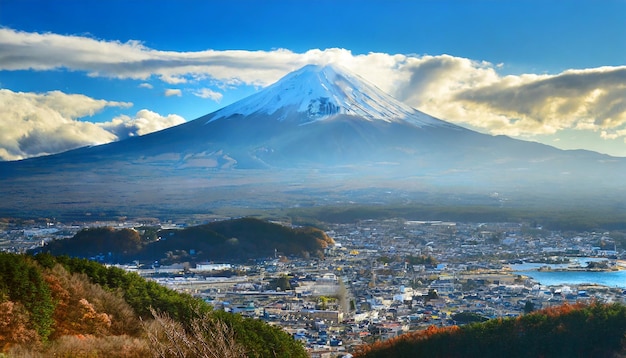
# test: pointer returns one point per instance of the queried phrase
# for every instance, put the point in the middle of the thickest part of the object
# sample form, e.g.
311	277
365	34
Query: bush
595	330
80	346
205	337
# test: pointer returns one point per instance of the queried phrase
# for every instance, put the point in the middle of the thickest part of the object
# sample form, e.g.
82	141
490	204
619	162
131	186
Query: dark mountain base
151	191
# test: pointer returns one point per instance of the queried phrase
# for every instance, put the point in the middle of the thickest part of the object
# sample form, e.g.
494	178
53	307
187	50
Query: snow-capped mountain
315	93
318	129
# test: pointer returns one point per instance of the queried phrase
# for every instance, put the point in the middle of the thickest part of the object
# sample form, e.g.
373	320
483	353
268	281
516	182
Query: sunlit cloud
132	60
208	94
464	91
173	92
36	124
145	85
593	99
144	122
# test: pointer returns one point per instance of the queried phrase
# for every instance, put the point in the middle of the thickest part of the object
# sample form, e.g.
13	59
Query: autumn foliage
578	330
64	307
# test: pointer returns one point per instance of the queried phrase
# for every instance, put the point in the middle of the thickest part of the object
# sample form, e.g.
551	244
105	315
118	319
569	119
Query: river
558	276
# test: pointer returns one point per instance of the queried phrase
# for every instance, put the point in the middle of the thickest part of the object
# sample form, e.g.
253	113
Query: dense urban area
382	278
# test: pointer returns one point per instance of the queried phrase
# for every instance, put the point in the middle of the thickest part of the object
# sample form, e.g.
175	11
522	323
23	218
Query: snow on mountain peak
320	92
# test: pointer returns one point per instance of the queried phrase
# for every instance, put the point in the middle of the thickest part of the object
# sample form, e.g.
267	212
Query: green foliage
255	237
148	233
323	301
231	239
432	294
98	241
30	281
258	338
597	265
21	281
468	317
553	218
280	283
421	260
261	339
595	330
140	294
529	306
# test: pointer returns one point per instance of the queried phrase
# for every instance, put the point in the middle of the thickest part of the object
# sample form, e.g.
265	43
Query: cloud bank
459	90
144	122
46	123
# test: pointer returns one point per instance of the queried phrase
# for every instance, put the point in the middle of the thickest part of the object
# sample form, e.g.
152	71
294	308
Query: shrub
205	337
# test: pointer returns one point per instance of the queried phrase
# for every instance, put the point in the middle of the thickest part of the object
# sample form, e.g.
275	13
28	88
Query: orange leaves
14	325
407	338
570	330
86	308
91	321
563	309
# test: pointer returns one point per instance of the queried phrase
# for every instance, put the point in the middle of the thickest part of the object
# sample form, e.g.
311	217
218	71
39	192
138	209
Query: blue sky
84	72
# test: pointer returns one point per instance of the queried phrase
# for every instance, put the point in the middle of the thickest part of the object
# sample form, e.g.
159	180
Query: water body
558	278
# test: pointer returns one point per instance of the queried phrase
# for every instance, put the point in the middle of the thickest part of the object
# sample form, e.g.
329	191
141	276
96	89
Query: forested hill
68	307
237	239
595	330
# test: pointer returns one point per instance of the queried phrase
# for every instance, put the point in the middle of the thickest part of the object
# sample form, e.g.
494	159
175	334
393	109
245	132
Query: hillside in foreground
63	307
595	330
234	240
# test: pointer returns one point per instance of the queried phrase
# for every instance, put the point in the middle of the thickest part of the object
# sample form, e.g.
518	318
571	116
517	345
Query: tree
468	317
323	301
421	260
529	307
281	283
21	281
14	327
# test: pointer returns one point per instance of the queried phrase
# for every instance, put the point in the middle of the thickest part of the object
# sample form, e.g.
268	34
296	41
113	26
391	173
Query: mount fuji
319	132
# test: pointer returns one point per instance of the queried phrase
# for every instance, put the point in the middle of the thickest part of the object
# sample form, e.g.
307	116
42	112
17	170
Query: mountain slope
65	307
594	330
319	132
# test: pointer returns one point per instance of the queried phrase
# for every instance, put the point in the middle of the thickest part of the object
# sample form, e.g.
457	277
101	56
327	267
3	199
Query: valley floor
385	278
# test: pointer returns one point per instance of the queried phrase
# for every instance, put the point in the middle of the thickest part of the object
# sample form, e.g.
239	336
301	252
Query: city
383	278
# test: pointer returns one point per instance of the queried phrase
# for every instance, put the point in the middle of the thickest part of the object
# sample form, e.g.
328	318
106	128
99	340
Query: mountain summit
319	132
315	93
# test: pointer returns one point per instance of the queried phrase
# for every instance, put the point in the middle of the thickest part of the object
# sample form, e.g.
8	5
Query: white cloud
146	85
456	89
173	92
593	99
34	51
209	94
473	93
144	122
36	124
